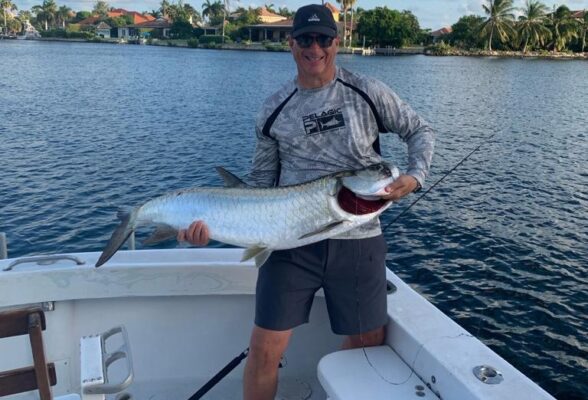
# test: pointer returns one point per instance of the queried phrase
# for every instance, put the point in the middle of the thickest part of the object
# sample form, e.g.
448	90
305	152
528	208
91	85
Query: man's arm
266	161
400	118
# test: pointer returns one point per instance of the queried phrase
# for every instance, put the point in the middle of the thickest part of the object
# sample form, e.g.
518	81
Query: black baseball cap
314	18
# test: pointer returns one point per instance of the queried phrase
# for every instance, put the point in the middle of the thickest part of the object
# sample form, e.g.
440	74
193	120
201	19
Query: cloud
470	7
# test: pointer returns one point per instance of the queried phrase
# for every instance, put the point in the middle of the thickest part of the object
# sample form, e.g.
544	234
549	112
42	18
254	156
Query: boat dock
394	51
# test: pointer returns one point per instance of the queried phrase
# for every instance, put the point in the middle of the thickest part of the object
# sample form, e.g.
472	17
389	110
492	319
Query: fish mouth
356	205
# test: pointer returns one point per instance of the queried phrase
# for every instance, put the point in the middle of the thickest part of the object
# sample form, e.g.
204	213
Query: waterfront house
159	28
440	34
103	30
276	28
136	18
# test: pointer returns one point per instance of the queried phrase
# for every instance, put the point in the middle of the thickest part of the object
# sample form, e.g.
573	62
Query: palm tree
63	14
6	5
564	26
192	14
270	7
345	4
500	20
225	9
351	4
532	24
164	8
211	9
583	22
46	12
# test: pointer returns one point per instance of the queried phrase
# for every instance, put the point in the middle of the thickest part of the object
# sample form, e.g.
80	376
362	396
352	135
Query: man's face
315	63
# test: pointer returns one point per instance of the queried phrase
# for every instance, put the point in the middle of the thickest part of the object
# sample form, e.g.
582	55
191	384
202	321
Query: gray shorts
352	273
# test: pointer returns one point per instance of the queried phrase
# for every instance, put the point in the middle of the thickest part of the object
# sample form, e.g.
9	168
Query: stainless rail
43	259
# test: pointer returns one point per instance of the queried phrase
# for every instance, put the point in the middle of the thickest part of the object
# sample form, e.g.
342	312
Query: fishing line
438	182
358	303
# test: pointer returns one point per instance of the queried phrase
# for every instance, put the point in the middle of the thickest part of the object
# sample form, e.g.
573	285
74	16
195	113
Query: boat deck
229	388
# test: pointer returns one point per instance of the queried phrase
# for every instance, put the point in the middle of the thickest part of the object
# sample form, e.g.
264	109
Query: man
324	121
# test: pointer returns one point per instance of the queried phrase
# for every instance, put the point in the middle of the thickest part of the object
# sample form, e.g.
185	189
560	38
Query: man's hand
196	234
402	186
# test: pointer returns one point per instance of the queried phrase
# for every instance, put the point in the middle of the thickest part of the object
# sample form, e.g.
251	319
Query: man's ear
290	41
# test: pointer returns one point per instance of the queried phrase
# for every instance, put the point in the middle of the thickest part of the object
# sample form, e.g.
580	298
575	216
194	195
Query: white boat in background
177	317
29	32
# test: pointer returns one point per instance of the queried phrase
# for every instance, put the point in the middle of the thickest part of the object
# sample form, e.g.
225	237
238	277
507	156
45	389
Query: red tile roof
443	31
136	18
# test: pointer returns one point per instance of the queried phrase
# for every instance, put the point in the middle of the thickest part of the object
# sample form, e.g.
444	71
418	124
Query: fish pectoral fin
251	252
262	257
161	234
322	229
231	180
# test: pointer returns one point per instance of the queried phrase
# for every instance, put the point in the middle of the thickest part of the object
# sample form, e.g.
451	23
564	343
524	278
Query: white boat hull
189	312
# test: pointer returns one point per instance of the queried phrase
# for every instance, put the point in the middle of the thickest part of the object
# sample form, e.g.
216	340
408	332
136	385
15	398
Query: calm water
501	245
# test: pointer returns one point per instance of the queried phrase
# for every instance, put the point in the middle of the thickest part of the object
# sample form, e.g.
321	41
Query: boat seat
95	360
375	373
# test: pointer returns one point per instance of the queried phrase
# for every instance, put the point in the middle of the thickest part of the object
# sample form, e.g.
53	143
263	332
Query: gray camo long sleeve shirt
304	134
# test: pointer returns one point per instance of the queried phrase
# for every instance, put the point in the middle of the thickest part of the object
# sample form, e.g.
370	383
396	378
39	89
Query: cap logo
314	18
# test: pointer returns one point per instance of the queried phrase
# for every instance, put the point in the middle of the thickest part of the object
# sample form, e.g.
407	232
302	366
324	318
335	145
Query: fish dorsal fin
162	233
322	229
231	180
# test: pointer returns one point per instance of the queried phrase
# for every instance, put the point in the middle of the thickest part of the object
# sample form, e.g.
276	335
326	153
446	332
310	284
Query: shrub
208	39
440	49
193	43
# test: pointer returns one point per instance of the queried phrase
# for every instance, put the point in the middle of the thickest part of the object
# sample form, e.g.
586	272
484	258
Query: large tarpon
264	219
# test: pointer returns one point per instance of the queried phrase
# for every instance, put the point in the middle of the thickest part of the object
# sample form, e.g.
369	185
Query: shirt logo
323	122
314	18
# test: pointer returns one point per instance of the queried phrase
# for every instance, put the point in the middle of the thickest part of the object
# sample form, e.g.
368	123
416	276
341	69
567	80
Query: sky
432	14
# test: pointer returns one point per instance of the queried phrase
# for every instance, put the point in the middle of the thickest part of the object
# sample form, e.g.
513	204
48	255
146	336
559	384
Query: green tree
270	8
465	33
80	15
386	27
62	15
45	13
285	12
181	29
532	24
101	8
247	16
121	20
25	15
192	14
14	25
213	11
564	28
499	22
7	5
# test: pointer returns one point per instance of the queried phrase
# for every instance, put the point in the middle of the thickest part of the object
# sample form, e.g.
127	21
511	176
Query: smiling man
325	120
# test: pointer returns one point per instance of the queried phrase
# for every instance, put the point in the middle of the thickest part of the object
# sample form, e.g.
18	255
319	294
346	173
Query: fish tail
119	236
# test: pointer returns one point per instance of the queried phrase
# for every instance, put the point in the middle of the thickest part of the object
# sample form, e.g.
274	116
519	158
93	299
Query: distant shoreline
378	51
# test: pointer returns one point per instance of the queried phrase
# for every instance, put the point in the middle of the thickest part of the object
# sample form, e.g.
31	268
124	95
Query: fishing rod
438	182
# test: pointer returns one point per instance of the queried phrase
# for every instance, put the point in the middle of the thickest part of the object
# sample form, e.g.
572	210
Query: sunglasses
305	41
